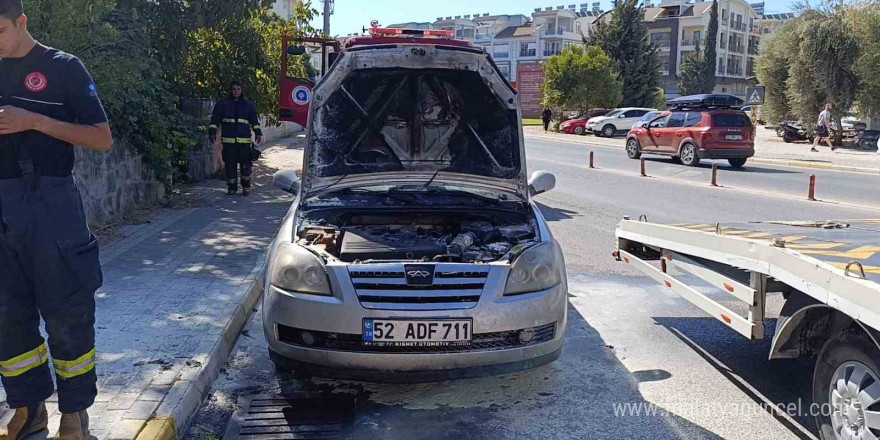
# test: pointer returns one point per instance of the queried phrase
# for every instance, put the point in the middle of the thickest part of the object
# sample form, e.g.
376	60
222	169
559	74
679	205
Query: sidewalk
177	292
769	149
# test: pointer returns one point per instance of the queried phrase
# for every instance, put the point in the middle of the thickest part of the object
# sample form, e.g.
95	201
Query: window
731	120
693	119
697	36
577	27
635	113
724	14
660	123
505	71
723	41
676	120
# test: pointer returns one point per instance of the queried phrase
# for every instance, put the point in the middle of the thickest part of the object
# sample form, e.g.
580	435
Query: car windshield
731	120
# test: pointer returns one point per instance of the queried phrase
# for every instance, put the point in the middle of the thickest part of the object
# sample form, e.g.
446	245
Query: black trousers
237	156
49	268
546	124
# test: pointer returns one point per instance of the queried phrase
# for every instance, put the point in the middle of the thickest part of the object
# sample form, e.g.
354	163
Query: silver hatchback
413	249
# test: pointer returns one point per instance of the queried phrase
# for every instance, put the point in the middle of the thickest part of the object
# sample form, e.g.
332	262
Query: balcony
501	55
483	37
724	21
737	48
753	50
528	53
555	31
662	44
734	70
551	52
755	30
741	27
691	42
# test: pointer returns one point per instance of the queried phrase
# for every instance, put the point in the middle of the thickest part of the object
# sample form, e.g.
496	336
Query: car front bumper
336	325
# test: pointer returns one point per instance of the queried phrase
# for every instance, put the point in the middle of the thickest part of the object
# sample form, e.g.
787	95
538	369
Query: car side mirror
286	180
622	116
541	182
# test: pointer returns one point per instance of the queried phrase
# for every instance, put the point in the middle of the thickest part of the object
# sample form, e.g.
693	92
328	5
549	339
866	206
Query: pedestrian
49	263
545	117
823	129
236	116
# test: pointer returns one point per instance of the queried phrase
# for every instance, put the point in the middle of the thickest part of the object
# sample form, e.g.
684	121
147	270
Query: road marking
721	187
862	253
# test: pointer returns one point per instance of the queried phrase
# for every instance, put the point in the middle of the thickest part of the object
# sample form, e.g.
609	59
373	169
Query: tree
693	79
625	39
865	21
710	59
773	65
581	79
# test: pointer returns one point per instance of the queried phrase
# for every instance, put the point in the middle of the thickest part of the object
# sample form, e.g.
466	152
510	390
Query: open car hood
409	113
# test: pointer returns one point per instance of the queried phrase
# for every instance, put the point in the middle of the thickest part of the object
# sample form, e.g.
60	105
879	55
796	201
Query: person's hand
16	120
259	139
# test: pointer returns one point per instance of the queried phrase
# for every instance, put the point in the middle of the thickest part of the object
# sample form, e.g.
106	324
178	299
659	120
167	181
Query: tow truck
828	273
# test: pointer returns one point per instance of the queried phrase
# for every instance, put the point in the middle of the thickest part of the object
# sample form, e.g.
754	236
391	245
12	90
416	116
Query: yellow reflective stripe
235	140
23	363
257	127
78	367
212	126
236	121
243	140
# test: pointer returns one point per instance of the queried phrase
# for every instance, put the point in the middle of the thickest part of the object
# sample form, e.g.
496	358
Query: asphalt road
629	341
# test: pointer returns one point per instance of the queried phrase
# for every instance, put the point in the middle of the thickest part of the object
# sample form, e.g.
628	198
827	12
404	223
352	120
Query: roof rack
420	33
705	101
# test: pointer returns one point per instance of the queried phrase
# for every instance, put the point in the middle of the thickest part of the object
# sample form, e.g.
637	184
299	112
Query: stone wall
114	183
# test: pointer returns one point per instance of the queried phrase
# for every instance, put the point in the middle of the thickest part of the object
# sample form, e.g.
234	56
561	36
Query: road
629	341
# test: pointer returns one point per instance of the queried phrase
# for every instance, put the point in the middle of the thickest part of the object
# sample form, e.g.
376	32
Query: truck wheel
579	130
689	155
633	151
608	130
846	388
737	163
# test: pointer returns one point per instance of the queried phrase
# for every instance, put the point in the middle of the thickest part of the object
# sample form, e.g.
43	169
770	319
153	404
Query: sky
352	15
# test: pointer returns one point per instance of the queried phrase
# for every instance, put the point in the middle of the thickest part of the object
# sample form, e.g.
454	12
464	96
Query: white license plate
733	137
418	333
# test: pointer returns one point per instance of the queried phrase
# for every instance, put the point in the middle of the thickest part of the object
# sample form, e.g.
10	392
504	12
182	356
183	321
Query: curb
185	397
778	162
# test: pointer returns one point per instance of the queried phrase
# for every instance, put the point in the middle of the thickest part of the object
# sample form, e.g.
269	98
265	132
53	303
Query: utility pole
328	7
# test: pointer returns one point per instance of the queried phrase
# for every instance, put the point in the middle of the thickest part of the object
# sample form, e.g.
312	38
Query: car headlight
535	270
295	269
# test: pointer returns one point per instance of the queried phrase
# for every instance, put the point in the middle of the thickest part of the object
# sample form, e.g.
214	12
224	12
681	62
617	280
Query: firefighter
236	116
49	263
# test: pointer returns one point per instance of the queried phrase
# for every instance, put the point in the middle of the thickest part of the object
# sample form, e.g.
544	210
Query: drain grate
267	417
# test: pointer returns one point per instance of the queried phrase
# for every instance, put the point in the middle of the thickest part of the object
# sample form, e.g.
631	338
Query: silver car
413	249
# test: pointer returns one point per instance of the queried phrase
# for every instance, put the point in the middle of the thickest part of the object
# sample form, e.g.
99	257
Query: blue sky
351	15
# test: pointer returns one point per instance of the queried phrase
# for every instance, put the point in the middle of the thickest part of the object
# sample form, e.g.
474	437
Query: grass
527	122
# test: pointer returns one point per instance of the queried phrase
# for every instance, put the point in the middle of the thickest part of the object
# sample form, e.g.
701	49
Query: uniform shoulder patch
36	82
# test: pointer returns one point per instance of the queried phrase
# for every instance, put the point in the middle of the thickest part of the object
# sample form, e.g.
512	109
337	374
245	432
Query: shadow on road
556	214
744	363
722	166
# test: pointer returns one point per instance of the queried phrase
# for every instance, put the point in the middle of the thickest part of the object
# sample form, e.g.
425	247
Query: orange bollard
811	196
643	167
591	160
714	174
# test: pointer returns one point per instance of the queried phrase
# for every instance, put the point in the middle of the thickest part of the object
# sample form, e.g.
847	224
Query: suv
697	127
414	248
619	120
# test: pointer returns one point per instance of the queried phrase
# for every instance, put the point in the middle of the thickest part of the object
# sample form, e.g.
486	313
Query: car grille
354	343
453	287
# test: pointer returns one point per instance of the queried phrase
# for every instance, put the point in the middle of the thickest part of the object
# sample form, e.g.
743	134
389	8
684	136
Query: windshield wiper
430	181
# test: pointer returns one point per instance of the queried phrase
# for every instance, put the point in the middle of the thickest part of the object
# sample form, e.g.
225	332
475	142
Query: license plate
733	137
417	333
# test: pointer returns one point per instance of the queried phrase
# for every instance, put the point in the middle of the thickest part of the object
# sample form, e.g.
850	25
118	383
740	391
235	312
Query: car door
669	138
653	134
629	118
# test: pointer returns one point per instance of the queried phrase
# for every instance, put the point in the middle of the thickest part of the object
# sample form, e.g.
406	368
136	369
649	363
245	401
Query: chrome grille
385	287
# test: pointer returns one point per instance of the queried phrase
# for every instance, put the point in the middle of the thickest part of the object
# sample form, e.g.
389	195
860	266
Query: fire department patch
36	82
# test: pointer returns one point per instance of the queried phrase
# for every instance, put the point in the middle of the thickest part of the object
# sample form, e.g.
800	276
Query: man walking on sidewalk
49	263
823	129
545	118
236	116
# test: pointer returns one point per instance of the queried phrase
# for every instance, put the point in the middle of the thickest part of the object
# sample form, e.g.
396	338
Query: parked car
578	124
697	127
619	120
413	253
644	120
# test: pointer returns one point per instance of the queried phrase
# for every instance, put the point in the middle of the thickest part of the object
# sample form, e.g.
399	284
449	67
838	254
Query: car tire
737	162
841	358
787	138
579	130
689	156
633	149
780	131
609	130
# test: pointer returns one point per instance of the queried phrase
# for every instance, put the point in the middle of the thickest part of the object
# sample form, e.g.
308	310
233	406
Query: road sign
755	95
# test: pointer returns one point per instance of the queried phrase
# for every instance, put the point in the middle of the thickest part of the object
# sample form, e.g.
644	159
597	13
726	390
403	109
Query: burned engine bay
423	237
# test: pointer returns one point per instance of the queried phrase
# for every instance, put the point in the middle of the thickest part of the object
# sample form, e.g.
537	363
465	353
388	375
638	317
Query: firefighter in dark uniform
236	116
49	263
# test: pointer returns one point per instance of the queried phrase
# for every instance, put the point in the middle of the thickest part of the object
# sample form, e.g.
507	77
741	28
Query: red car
578	124
699	129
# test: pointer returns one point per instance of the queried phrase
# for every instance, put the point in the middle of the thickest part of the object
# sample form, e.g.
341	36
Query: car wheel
633	151
780	131
787	138
689	155
846	387
608	130
737	163
579	130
